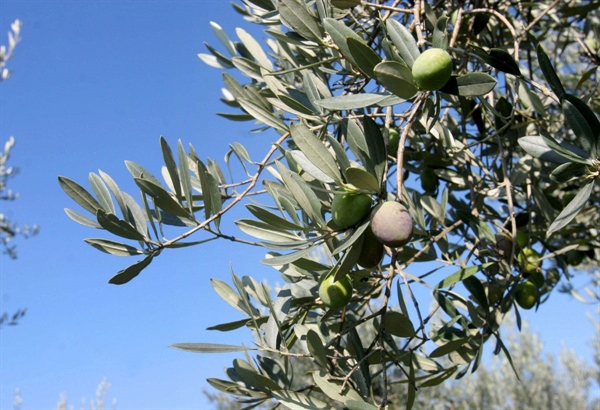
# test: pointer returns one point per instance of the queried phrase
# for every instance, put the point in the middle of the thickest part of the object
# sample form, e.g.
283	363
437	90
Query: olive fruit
335	295
371	251
429	180
432	69
393	142
392	225
350	208
526	294
529	260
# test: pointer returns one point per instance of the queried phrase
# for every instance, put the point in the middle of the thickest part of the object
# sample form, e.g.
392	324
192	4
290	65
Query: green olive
335	295
432	69
350	208
526	294
529	261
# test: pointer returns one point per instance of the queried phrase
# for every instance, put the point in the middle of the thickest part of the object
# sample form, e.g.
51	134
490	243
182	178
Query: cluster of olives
390	225
528	291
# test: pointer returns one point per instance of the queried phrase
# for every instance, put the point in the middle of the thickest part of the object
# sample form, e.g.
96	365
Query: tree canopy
410	199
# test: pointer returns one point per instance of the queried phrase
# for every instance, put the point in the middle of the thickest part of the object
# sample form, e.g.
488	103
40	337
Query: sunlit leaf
299	19
315	151
404	41
102	193
113	248
79	194
209	347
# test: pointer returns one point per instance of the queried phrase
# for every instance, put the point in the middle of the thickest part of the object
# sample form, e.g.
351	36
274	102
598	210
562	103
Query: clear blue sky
96	83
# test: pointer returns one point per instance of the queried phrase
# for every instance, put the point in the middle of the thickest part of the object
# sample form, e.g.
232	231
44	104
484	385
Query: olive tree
9	229
389	197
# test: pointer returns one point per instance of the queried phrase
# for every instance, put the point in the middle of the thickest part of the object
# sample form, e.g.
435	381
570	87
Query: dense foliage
495	171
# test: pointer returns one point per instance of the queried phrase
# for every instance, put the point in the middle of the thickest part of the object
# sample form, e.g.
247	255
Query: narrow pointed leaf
364	56
117	226
470	84
340	33
395	77
81	219
572	209
161	197
461	274
300	20
102	193
209	347
404	41
131	272
499	59
299	401
113	248
583	122
315	151
254	48
549	73
79	194
171	166
351	101
362	179
262	115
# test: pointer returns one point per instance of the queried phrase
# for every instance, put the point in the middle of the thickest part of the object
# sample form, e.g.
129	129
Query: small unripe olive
350	208
432	69
392	225
393	142
335	295
529	261
429	180
526	294
371	251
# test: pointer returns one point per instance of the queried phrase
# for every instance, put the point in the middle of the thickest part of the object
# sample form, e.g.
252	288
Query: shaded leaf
395	77
362	179
398	324
583	122
499	59
117	226
572	209
549	73
470	84
161	197
131	271
462	274
316	348
440	33
340	33
364	56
